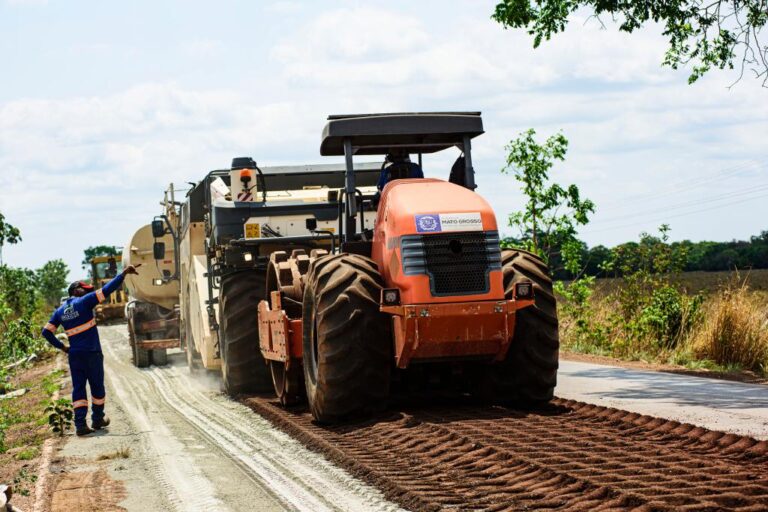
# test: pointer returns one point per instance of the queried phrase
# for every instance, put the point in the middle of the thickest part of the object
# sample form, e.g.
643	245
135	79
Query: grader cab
104	268
424	295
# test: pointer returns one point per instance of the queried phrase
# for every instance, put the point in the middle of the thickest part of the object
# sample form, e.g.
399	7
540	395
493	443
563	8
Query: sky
102	104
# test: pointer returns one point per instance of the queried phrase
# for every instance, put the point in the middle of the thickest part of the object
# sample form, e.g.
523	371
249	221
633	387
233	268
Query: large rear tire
347	341
140	356
160	357
528	375
242	366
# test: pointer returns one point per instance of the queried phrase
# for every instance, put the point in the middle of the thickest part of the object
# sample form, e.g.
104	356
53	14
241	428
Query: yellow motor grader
104	268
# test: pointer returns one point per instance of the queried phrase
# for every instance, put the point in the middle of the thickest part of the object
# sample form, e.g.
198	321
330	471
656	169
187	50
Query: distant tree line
706	256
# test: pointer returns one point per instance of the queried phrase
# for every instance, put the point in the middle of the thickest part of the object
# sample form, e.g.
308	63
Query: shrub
20	339
668	317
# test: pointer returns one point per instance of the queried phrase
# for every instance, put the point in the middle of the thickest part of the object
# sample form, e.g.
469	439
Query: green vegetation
27	298
60	415
652	313
28	453
720	34
24	482
552	213
643	308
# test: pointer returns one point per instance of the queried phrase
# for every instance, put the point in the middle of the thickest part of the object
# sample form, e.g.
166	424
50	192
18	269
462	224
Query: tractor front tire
528	375
242	366
347	341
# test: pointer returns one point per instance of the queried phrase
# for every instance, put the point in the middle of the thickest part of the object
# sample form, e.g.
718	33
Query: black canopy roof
414	132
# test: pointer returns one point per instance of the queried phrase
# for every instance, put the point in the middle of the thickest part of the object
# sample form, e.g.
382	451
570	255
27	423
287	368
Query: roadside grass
734	330
720	327
24	422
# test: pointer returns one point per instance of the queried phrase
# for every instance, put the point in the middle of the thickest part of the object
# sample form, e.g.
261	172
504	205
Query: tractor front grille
457	263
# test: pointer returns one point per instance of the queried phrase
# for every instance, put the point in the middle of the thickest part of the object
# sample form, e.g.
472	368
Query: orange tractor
426	296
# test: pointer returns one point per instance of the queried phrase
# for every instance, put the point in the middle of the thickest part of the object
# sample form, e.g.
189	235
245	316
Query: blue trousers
87	368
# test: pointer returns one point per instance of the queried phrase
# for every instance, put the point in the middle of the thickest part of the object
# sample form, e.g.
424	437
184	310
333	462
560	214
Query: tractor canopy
415	132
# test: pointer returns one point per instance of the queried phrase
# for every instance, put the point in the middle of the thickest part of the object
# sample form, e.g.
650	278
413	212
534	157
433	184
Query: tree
52	280
552	213
18	290
705	34
8	234
98	250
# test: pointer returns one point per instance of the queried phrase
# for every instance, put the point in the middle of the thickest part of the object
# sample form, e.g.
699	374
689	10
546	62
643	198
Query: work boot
84	431
98	424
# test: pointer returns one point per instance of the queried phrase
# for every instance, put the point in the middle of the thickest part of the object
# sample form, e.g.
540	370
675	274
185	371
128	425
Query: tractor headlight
157	282
524	290
390	296
247	256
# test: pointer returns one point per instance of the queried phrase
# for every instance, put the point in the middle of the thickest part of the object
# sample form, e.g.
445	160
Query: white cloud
100	162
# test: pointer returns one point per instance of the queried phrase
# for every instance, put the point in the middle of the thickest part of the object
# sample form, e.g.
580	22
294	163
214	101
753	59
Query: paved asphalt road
710	403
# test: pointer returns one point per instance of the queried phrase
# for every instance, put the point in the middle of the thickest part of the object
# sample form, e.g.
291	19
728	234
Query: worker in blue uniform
86	362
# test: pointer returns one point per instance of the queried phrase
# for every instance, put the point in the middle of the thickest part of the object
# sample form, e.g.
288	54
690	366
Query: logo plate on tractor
442	222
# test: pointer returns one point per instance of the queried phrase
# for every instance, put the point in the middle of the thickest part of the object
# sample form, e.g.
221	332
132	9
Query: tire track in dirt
299	479
312	485
181	481
568	456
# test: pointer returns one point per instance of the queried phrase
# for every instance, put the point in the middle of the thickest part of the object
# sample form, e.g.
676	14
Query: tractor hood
425	206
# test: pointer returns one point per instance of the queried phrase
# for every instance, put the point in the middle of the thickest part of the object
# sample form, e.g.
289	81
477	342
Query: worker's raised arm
49	332
100	295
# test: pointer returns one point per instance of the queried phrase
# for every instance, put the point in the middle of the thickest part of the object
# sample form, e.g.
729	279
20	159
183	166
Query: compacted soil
566	456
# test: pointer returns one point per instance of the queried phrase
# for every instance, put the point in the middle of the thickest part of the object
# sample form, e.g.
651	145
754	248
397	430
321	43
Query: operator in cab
397	166
86	361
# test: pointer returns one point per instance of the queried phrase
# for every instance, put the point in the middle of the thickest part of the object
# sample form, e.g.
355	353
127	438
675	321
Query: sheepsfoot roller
424	293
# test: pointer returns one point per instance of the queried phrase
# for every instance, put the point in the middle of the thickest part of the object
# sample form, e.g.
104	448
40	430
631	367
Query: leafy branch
703	34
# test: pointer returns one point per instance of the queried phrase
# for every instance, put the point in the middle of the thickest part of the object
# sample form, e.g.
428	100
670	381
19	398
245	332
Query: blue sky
102	104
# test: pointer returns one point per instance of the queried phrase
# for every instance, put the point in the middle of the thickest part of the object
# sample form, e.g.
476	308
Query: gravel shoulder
191	448
723	405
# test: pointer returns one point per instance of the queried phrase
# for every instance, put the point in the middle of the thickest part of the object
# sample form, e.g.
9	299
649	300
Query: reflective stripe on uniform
98	401
79	403
49	326
81	328
100	295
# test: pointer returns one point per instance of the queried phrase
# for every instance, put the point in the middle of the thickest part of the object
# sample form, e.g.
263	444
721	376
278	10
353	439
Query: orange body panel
457	330
426	327
401	202
279	336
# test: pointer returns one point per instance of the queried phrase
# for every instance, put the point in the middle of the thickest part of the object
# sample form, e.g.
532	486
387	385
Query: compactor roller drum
347	342
286	274
243	367
528	375
194	359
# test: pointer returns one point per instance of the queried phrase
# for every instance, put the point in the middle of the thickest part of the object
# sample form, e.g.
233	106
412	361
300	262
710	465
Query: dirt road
191	448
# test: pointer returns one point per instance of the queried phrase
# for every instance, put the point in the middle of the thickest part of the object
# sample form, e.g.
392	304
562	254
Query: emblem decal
440	222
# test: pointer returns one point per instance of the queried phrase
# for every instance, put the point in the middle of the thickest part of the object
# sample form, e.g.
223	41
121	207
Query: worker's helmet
79	284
